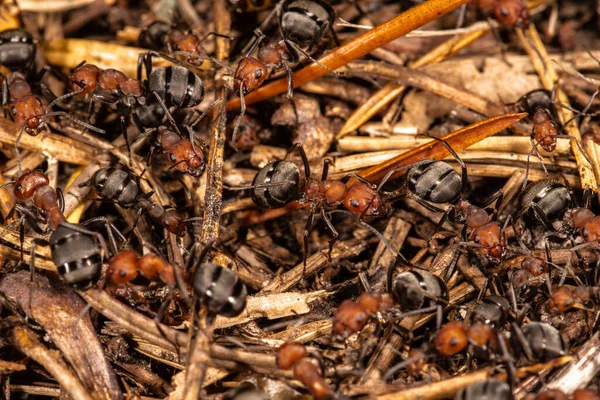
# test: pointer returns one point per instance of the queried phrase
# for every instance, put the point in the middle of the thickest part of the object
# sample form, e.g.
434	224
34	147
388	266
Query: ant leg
298	49
290	89
307	228
542	217
19	136
61	200
522	340
186	189
124	133
110	228
424	203
326	163
300	148
331	229
80	317
239	118
5	96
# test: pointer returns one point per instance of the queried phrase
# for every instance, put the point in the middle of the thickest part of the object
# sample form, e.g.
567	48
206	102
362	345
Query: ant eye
37	100
122	272
257	73
18	188
172	157
584	232
476	239
14	111
504	12
354	203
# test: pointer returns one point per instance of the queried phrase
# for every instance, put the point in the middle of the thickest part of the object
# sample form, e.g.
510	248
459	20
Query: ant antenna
63	97
77	121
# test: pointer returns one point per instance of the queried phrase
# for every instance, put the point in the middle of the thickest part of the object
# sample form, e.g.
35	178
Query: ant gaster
17	51
219	289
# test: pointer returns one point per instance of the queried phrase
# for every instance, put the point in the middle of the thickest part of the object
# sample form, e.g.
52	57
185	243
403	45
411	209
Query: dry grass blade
458	140
358	47
390	91
59	147
423	81
68	53
545	68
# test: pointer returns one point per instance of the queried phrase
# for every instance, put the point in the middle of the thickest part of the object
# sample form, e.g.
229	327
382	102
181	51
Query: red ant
160	35
279	183
252	72
351	316
295	356
27	109
565	298
539	105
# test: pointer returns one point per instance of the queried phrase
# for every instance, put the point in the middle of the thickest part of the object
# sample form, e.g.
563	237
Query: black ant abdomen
177	86
492	311
490	389
417	289
280	182
434	181
77	257
117	184
17	50
220	290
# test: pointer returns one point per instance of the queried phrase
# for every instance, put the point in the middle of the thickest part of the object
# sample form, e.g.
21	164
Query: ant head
536	266
561	301
289	353
173	222
491	240
362	199
186	159
249	75
512	13
84	79
122	268
28	183
28	112
349	318
375	302
451	339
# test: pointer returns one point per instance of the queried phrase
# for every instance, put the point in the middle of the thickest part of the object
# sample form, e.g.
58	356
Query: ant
121	185
27	109
76	254
490	389
295	356
279	183
565	298
301	22
417	291
539	105
160	35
